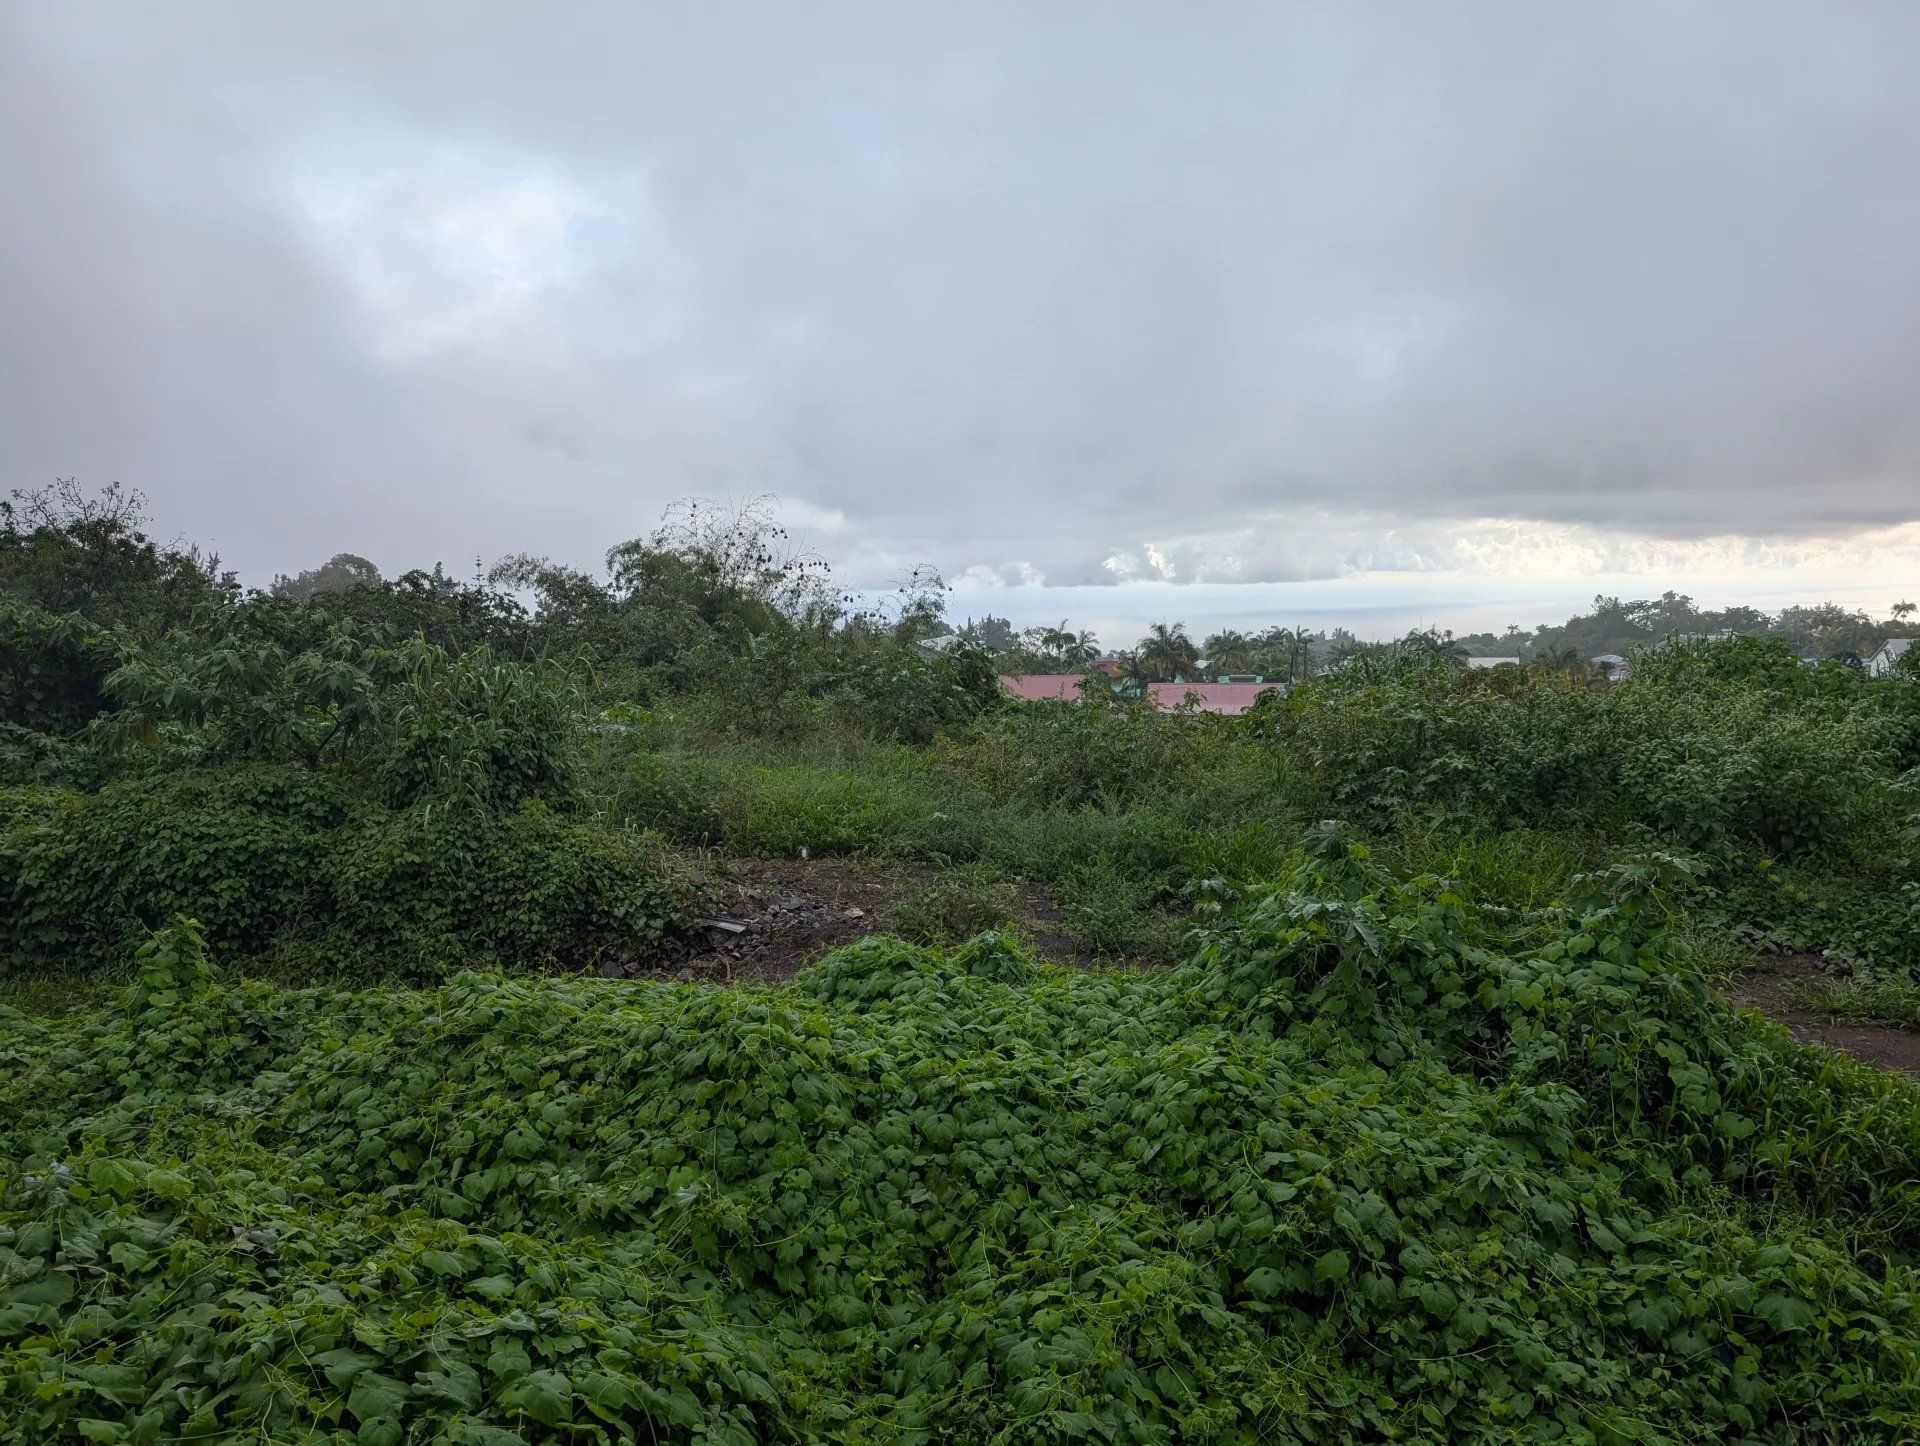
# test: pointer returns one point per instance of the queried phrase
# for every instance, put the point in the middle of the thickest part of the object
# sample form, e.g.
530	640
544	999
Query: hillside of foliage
318	1120
1810	630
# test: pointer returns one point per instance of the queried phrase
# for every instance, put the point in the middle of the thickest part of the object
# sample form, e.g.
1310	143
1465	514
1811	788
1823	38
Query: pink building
1035	686
1230	699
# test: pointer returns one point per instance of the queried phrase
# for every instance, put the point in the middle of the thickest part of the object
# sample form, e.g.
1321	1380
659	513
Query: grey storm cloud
1073	292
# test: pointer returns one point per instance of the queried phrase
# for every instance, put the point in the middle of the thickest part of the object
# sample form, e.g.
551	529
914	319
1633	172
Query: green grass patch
1869	1000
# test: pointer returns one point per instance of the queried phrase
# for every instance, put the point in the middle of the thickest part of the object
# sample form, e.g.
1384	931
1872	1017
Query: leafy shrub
244	849
673	794
1518	868
897	695
268	682
1744	663
52	667
1701	754
529	889
1707	771
1112	911
475	729
285	861
1053	755
1843	912
1441	741
795	683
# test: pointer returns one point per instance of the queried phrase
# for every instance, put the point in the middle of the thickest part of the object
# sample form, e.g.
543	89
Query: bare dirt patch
1764	987
776	916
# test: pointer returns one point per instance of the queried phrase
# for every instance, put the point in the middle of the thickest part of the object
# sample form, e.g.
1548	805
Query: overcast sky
1451	314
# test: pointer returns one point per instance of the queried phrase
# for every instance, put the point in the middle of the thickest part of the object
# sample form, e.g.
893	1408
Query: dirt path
789	912
1764	987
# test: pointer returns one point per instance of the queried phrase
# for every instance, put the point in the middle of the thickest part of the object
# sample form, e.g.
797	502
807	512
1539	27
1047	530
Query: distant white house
1612	664
1719	635
1492	662
940	646
1882	662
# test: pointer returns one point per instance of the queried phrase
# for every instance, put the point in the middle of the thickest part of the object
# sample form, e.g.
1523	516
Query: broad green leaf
546	1396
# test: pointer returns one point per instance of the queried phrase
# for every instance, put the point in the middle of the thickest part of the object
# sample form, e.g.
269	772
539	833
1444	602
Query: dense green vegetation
317	1120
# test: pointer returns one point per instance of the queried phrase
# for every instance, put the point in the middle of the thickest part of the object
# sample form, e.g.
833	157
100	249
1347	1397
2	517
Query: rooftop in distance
1228	699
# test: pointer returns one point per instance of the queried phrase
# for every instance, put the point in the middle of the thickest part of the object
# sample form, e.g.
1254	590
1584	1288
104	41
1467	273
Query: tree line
1169	652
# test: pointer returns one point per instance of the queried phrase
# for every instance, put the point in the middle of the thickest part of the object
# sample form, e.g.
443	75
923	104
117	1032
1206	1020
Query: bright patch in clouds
1377	341
1476	576
451	250
1308	546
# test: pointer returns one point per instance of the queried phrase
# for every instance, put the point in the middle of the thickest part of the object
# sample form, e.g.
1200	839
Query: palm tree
1061	647
1902	611
1566	659
1166	652
1285	650
1054	640
1081	648
1229	651
1440	647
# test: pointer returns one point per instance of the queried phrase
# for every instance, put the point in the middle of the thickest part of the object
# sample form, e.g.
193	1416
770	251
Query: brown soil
795	910
1764	987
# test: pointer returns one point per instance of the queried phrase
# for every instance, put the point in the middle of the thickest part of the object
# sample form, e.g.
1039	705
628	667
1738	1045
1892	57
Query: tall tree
1287	652
69	551
1567	660
1229	651
996	635
1166	652
1055	641
338	573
